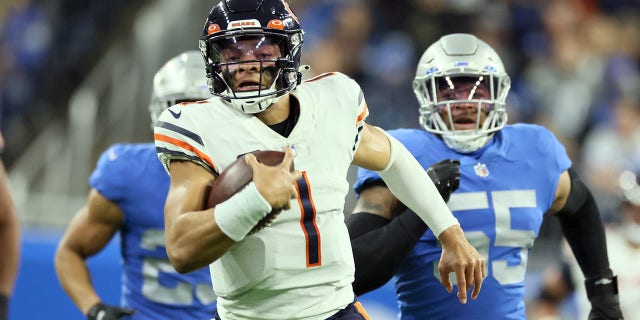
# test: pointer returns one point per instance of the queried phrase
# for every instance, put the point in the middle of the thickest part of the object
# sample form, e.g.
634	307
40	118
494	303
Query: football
236	176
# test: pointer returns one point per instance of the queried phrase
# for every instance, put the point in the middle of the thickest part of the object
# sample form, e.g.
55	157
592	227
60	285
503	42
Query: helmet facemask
460	71
465	109
252	69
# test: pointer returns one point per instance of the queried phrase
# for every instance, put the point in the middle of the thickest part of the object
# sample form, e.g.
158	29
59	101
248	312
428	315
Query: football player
128	190
9	241
301	267
510	176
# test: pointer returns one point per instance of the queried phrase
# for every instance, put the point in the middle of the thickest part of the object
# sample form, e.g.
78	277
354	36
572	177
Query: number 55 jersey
131	176
505	189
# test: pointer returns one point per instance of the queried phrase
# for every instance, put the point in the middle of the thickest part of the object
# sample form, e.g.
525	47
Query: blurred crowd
573	64
46	49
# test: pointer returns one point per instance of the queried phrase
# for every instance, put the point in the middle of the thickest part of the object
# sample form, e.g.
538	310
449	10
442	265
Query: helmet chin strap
253	105
466	143
248	102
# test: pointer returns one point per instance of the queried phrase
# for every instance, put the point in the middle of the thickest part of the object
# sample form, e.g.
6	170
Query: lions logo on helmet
461	72
181	79
262	38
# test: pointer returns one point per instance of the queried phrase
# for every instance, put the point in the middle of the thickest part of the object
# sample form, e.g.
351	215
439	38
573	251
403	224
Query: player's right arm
381	235
9	241
408	181
193	238
90	230
196	237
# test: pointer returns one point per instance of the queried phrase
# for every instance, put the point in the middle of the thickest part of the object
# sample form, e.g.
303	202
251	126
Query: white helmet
461	55
181	79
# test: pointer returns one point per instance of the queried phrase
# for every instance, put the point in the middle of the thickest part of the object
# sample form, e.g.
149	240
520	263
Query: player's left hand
101	311
445	176
460	257
275	183
603	295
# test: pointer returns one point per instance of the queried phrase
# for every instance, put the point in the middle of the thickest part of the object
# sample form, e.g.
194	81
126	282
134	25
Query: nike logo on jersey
112	155
175	114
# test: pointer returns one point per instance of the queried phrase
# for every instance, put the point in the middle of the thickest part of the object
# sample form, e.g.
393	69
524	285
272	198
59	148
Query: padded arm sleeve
380	246
411	184
4	306
583	229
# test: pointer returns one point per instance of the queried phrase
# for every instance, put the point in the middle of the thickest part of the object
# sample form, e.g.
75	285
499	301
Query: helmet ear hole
219	85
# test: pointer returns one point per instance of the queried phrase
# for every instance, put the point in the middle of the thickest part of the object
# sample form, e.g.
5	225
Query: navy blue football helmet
236	29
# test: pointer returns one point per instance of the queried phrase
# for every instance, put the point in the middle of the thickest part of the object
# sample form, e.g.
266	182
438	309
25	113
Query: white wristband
411	184
239	214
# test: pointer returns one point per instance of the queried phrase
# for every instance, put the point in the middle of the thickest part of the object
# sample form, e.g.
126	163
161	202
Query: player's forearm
10	253
194	240
75	278
379	246
411	184
583	229
9	238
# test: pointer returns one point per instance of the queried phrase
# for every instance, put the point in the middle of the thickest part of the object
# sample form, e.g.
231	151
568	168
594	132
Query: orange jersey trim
184	145
361	310
362	114
320	76
186	103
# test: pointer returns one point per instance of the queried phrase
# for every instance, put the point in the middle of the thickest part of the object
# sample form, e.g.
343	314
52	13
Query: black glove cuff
4	307
93	312
602	287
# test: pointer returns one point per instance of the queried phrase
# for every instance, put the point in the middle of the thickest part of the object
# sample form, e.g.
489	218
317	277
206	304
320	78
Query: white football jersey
301	267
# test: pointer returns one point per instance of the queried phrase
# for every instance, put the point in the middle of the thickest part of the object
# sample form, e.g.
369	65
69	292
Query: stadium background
75	77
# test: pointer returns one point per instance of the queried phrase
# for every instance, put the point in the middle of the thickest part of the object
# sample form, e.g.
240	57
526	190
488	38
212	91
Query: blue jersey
505	189
131	176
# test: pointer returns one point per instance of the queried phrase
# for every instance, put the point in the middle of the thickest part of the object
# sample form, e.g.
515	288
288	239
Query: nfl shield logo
481	170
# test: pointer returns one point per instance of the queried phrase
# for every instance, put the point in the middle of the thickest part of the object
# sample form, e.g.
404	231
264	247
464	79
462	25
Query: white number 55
505	236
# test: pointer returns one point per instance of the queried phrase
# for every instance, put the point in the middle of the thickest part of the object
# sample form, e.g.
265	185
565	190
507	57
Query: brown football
236	176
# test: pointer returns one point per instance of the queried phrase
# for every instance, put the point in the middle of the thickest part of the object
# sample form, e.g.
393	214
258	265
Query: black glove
603	295
4	307
101	311
446	176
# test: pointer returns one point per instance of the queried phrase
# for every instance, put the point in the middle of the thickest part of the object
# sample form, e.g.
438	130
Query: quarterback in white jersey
301	266
289	254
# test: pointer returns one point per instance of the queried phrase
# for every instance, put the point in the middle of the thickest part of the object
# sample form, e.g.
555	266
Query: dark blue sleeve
365	177
109	175
552	149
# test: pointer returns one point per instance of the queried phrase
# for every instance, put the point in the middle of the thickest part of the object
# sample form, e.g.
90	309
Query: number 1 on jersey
308	221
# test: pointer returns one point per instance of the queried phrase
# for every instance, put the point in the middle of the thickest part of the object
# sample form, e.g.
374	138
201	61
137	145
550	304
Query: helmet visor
248	63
